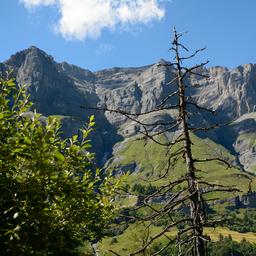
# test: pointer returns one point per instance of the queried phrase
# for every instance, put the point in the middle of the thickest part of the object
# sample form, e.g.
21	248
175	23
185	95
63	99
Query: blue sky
97	34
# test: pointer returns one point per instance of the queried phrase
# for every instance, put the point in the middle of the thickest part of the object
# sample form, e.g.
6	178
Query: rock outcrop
62	89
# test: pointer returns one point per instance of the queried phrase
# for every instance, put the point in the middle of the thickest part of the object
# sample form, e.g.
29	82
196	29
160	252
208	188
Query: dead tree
196	200
193	193
193	188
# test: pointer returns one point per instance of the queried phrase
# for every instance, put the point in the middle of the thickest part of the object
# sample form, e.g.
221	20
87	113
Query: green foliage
244	223
52	196
124	231
226	246
143	189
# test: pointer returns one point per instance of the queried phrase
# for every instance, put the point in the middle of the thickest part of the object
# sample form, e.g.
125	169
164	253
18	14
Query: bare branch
193	55
213	159
159	235
168	97
164	247
200	107
127	114
115	253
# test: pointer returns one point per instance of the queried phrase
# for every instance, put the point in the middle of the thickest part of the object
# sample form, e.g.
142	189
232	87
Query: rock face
231	92
61	89
245	140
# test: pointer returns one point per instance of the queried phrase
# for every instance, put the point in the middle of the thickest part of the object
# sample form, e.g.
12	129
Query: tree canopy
52	196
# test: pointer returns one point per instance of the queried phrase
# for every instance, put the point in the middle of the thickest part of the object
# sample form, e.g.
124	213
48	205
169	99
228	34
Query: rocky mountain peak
28	55
163	62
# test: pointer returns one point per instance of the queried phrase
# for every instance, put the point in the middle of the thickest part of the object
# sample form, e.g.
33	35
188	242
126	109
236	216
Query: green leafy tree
52	196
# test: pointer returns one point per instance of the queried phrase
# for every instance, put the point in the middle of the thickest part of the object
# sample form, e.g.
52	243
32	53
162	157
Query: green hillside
146	162
135	236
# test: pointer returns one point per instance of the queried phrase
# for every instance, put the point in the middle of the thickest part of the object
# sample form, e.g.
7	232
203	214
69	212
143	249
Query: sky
98	34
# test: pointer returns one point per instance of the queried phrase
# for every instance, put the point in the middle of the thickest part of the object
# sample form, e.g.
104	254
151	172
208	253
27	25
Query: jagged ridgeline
60	89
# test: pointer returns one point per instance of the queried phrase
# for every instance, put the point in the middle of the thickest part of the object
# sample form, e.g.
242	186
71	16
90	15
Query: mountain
61	89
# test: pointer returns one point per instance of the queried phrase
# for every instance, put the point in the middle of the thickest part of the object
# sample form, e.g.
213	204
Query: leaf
16	214
92	118
5	212
17	228
59	157
11	83
74	137
17	236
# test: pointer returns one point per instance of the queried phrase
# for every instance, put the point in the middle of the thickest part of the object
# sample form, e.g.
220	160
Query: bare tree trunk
196	203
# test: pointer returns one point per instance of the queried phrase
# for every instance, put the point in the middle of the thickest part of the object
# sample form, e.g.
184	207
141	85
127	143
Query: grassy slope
151	160
214	233
134	237
131	240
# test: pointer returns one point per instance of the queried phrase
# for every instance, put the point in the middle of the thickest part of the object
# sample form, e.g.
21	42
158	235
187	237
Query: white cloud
140	11
82	19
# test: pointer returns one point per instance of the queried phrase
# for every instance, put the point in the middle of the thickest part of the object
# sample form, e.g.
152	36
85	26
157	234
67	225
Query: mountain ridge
33	47
62	88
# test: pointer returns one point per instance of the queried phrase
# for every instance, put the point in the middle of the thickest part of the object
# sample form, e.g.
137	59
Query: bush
52	196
